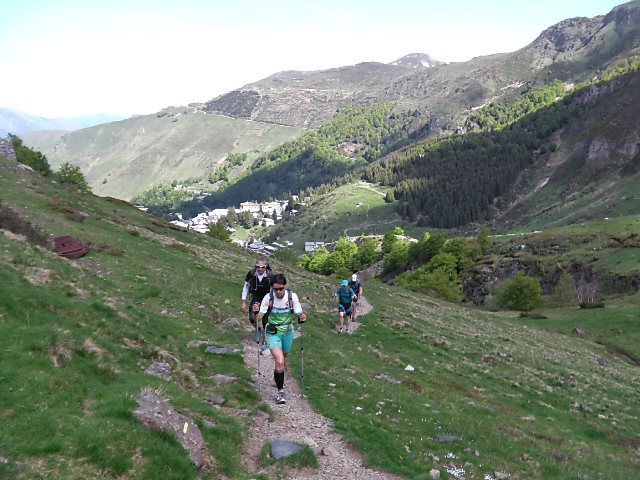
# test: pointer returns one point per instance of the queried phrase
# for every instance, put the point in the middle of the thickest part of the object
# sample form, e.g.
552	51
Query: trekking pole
259	355
302	358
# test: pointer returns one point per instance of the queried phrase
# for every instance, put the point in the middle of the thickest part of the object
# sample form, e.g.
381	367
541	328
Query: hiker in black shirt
258	284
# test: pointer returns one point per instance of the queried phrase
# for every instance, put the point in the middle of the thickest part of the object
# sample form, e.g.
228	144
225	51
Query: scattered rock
197	343
329	451
209	424
435	474
216	399
525	457
561	457
221	350
581	331
603	361
131	343
160	370
409	368
446	438
501	476
441	342
283	449
156	415
387	378
222	379
4	459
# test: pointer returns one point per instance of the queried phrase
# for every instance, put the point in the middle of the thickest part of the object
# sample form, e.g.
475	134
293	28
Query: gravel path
296	421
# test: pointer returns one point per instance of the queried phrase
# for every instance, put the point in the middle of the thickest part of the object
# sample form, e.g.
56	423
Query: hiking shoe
280	397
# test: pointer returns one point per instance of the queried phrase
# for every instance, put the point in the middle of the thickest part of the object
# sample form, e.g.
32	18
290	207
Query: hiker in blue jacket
345	296
282	306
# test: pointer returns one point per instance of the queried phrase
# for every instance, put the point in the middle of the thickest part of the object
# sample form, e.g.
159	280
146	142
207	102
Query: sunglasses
261	266
279	289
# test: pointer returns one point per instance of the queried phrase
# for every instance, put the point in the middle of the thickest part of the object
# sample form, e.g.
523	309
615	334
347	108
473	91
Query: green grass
349	210
616	326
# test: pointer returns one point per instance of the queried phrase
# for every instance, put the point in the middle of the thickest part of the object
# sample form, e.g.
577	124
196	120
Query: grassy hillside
351	209
76	335
122	159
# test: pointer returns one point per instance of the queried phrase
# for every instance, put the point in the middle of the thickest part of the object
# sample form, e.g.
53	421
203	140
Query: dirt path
296	421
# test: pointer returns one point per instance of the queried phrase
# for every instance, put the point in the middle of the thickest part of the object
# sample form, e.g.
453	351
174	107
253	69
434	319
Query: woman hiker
346	297
282	306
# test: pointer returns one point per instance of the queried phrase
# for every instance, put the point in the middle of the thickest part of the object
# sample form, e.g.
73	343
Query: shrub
28	156
521	293
71	174
396	260
437	281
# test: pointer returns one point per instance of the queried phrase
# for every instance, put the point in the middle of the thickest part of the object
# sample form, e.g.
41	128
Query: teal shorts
281	340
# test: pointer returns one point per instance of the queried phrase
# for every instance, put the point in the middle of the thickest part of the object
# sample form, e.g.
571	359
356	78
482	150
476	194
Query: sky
77	57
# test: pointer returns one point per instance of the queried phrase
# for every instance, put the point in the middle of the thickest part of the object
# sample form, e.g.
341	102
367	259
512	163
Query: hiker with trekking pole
346	298
281	306
257	282
356	286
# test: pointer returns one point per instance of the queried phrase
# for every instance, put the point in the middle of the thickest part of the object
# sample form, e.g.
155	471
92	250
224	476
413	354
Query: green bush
28	156
438	282
71	174
396	260
522	293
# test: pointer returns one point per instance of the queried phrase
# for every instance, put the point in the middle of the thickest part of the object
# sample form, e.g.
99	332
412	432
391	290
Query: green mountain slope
122	159
560	157
76	336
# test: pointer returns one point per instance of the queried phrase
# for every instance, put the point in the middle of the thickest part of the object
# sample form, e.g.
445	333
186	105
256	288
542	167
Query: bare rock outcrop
156	415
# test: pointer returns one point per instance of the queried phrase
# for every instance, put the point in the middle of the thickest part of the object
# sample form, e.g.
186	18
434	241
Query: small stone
409	368
215	399
446	438
476	453
222	379
196	343
603	361
208	424
221	350
160	370
394	420
435	474
329	451
332	385
525	457
283	449
501	476
581	331
4	460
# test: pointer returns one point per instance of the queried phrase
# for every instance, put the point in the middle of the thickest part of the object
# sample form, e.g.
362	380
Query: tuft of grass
92	349
60	348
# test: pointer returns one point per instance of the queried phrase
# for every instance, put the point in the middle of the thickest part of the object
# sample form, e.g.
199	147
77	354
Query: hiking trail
296	421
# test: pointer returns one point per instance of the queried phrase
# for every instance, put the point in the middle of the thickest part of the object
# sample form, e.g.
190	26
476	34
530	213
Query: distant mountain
12	121
122	159
417	60
572	50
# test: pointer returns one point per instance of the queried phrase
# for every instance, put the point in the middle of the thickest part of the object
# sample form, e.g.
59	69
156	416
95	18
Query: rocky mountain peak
417	60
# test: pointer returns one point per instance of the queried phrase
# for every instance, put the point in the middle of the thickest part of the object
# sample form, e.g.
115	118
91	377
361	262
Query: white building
310	247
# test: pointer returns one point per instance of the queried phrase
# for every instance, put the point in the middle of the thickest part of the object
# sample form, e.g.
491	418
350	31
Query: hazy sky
60	58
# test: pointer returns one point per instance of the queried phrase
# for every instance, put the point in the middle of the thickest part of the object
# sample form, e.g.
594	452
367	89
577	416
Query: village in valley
265	214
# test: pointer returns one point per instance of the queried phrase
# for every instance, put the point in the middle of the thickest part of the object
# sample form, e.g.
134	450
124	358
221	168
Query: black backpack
252	276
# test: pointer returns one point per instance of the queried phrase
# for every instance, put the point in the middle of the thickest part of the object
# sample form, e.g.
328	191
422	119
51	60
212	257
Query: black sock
279	378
